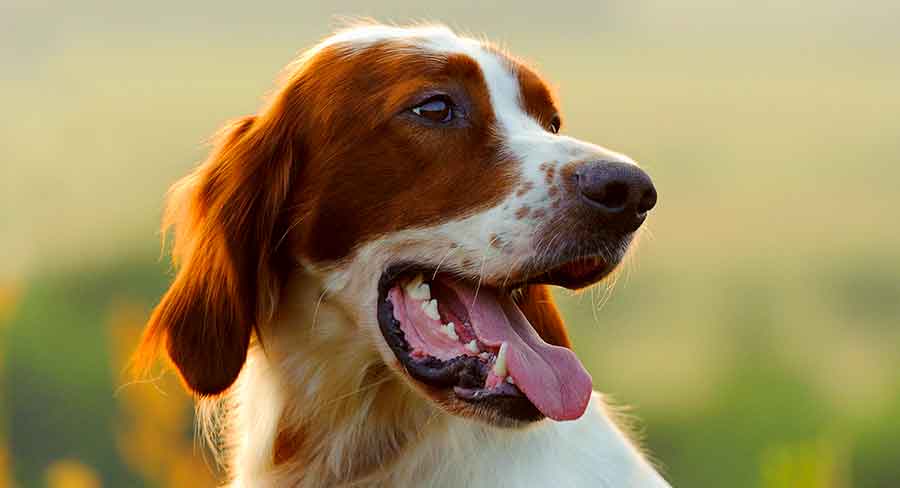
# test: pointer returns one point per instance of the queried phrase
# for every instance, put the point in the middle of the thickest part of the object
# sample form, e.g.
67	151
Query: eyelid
457	99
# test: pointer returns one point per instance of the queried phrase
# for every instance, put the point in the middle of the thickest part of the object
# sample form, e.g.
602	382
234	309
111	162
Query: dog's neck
317	406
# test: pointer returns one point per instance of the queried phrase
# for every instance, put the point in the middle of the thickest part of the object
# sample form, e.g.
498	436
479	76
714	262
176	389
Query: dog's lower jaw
317	406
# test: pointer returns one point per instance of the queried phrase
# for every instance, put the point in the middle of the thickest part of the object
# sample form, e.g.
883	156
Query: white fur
589	452
324	345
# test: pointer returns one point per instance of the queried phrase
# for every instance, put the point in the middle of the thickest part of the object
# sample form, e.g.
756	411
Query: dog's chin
453	352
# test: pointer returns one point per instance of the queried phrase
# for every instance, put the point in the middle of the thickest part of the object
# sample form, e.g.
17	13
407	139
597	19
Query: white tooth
510	380
430	308
450	330
472	346
418	290
500	363
423	292
414	283
485	355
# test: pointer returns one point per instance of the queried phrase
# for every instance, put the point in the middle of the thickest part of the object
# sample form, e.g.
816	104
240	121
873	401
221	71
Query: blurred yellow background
756	332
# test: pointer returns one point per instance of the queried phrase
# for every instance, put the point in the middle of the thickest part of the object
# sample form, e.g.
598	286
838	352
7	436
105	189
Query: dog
362	295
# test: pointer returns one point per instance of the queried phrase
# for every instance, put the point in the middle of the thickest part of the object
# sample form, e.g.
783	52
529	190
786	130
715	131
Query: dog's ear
540	309
227	223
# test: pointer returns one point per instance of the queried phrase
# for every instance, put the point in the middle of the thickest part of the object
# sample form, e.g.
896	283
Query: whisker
318	304
481	271
510	270
152	381
441	263
357	391
288	230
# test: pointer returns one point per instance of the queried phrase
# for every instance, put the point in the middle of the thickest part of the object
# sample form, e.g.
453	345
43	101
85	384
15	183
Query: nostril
647	201
614	195
621	192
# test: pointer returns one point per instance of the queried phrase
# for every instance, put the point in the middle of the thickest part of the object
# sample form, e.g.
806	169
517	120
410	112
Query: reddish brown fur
365	175
538	100
309	171
539	307
226	215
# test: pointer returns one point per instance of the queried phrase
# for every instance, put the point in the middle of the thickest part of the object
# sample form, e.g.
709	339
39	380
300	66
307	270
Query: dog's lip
546	380
462	375
572	274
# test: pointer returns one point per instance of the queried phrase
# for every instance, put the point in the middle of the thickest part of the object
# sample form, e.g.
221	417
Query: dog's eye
555	123
438	109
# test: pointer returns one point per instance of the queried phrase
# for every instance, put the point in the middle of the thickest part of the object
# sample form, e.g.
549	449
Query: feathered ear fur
227	223
540	309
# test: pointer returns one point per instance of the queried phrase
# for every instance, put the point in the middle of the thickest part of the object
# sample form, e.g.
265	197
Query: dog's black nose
621	192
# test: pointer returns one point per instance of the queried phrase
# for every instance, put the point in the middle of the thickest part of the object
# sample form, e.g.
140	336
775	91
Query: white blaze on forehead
500	78
494	241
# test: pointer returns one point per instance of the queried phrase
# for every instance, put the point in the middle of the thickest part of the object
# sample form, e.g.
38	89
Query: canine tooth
472	346
500	363
431	310
485	355
415	282
510	380
418	290
450	330
422	292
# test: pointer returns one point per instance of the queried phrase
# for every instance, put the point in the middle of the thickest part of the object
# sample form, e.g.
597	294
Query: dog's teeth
418	290
450	330
431	309
500	363
472	346
510	380
423	292
485	355
415	282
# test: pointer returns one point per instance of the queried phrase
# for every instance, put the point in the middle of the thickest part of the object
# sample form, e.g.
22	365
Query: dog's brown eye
555	124
436	109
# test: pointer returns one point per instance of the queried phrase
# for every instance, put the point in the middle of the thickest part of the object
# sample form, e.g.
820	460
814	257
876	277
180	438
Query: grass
754	330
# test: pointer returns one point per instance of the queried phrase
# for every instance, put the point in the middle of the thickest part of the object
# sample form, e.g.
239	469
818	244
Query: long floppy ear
540	309
226	218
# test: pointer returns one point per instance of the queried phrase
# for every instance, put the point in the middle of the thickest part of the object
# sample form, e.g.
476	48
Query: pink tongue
550	376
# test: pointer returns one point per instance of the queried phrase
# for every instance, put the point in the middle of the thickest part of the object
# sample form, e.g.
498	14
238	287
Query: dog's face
422	176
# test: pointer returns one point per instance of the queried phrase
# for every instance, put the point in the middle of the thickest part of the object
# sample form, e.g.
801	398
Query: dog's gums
451	333
365	297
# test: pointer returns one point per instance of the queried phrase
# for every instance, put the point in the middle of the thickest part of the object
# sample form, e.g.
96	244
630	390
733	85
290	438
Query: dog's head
423	177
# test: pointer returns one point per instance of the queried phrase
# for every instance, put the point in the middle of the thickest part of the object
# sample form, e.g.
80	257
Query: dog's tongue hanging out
449	318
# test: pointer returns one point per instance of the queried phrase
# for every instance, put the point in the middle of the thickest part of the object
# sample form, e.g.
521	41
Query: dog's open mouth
450	332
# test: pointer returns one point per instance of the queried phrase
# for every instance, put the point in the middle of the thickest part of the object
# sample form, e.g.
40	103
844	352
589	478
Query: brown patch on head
524	188
361	170
537	98
552	191
313	172
522	212
539	213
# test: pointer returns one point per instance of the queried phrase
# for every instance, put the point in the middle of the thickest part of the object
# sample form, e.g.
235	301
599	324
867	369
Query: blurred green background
755	333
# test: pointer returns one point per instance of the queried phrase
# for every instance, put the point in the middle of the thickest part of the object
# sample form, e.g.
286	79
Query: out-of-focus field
755	332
